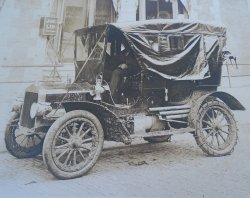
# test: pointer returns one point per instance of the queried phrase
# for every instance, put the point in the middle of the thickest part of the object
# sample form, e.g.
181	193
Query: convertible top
160	25
178	50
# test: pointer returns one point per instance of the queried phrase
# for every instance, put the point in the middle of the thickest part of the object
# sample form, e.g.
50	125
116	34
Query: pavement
173	169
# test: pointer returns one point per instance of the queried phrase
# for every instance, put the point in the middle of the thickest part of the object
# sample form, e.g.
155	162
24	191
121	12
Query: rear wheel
216	130
73	144
21	143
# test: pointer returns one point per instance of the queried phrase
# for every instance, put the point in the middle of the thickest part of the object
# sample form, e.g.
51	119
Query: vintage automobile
166	84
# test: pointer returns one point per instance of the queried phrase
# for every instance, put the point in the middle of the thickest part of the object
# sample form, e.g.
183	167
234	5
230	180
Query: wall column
142	10
175	9
91	12
216	11
127	11
194	9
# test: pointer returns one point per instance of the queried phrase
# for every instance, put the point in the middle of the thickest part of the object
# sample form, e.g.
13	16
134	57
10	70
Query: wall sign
48	26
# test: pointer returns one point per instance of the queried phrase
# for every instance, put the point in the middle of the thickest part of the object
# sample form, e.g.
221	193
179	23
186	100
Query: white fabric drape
125	10
116	5
186	4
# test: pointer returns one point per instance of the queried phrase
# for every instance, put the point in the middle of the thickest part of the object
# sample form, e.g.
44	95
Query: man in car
125	68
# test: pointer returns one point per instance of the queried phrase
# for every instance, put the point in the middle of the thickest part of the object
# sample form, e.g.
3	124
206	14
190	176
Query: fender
197	101
113	128
229	100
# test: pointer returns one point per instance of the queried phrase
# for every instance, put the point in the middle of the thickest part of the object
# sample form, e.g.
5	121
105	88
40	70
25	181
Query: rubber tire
11	146
158	139
234	131
47	154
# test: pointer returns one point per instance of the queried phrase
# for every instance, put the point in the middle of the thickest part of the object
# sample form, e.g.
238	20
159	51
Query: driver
126	67
116	78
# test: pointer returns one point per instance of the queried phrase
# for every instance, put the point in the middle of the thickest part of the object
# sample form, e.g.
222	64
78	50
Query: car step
171	112
169	108
164	133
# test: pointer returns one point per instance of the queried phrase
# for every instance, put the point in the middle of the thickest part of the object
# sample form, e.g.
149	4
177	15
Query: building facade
27	53
27	47
24	48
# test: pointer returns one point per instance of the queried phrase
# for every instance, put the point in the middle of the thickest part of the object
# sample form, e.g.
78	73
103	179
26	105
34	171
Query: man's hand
123	66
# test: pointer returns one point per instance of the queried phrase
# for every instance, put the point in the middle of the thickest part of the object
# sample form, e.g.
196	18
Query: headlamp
39	109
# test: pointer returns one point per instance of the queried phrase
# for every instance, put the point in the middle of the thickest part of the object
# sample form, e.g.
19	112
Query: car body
170	88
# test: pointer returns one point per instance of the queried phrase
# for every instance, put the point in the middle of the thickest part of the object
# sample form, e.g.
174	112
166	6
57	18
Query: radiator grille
29	99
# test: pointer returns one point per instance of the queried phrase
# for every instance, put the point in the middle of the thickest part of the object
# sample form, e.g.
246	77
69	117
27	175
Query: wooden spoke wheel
73	144
22	143
216	130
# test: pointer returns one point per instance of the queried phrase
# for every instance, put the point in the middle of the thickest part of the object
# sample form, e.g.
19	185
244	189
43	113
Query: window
90	46
181	8
156	9
170	43
75	17
165	43
165	10
176	42
104	12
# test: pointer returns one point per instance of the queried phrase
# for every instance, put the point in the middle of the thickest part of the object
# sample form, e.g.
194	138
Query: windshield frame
100	32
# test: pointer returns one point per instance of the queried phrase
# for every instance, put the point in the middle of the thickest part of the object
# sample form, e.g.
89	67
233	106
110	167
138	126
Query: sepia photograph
125	98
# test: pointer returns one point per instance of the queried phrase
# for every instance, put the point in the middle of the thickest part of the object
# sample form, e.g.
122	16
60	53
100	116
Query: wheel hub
216	128
215	125
75	142
25	131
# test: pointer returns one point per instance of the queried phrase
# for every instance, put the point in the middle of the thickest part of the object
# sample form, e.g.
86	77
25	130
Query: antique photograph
125	98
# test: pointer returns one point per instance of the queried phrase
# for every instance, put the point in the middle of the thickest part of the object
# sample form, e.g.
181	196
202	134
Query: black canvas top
177	50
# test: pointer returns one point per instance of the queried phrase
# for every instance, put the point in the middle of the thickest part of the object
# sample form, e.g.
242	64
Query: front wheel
216	130
20	142
73	144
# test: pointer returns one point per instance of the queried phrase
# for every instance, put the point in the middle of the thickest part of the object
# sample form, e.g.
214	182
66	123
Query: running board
164	133
170	113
